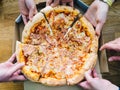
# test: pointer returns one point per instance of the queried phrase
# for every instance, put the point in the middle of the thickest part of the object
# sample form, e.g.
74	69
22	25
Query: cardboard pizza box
28	85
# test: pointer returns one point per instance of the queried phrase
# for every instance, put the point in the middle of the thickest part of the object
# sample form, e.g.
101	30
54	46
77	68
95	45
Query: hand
95	83
96	14
27	9
112	45
54	3
10	71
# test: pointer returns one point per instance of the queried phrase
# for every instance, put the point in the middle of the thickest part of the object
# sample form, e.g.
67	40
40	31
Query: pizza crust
47	10
31	25
30	75
90	63
25	69
77	78
91	31
19	56
66	9
52	81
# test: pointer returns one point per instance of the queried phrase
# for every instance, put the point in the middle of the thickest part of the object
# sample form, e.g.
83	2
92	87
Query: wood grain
8	13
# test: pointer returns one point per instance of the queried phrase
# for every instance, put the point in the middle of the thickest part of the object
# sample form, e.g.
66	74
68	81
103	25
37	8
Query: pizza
49	57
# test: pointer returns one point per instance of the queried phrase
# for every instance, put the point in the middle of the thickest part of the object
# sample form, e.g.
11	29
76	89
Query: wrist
108	2
105	5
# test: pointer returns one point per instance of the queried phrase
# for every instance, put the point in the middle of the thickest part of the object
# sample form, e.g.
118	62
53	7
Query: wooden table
8	13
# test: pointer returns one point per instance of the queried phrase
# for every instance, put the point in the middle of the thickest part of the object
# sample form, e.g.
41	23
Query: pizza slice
34	59
36	30
84	35
60	18
42	63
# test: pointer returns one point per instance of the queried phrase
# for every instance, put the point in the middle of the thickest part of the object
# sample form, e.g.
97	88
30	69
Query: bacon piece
27	49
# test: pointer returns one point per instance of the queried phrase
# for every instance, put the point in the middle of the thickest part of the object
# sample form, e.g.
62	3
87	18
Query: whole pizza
52	55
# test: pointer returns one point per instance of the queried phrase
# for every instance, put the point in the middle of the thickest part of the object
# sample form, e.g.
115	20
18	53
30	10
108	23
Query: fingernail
110	59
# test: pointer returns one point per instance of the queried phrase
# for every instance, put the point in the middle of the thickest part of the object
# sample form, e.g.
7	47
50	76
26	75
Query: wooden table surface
8	15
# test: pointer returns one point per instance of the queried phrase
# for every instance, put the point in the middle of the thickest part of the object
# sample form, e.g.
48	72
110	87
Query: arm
93	82
54	3
10	71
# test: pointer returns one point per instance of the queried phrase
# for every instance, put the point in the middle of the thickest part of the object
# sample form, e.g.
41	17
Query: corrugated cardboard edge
103	58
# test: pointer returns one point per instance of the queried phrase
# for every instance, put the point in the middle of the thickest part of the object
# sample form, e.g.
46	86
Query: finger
17	72
48	2
19	77
16	67
64	4
35	11
85	85
95	75
88	76
90	18
12	58
32	12
71	4
110	46
55	3
114	58
24	19
99	28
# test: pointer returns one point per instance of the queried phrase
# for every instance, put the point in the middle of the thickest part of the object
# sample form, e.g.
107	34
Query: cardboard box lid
37	86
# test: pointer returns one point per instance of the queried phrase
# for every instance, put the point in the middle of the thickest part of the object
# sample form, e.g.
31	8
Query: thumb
30	15
99	28
48	2
16	67
114	58
88	76
71	4
110	46
55	3
19	77
32	12
84	85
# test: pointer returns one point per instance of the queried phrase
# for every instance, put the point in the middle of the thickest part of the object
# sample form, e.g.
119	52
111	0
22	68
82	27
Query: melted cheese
61	15
69	70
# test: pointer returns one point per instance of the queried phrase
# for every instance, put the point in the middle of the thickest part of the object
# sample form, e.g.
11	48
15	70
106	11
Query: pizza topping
69	70
61	16
28	50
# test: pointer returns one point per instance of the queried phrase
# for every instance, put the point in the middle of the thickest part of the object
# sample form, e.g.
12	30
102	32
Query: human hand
93	82
10	71
112	45
54	3
27	9
96	14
